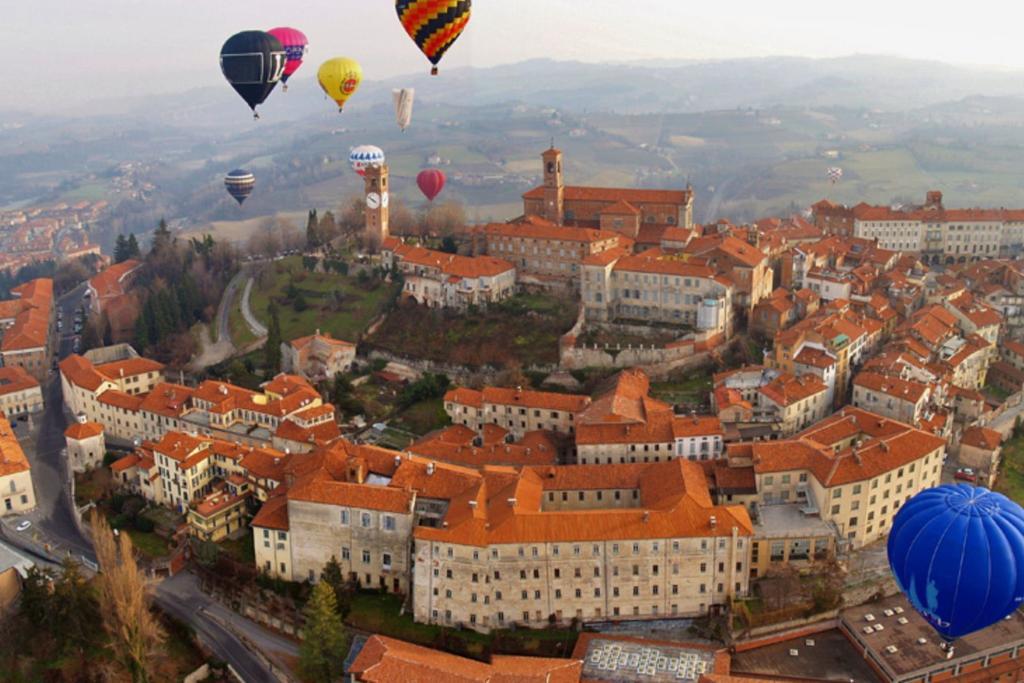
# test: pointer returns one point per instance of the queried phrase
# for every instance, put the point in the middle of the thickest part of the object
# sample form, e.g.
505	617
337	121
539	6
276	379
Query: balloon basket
284	87
255	116
433	72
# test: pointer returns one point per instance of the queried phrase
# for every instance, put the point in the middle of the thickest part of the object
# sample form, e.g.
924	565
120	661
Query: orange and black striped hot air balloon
434	25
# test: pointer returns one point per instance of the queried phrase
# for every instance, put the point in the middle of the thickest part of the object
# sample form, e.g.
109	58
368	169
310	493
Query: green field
1011	471
347	319
693	386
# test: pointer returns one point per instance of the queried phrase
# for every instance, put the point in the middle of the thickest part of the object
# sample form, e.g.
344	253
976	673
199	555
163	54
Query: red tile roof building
26	322
17	495
440	280
317	356
516	410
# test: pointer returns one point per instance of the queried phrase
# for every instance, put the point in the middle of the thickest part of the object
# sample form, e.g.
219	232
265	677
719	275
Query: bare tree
447	218
124	602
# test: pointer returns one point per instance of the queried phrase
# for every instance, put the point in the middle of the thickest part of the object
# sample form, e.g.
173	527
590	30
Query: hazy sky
67	51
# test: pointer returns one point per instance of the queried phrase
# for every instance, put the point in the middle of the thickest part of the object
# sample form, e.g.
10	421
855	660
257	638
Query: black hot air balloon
253	62
239	184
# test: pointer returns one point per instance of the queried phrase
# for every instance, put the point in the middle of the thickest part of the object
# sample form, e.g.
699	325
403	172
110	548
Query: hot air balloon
834	173
364	155
295	45
434	25
340	78
403	106
239	184
431	182
957	552
253	62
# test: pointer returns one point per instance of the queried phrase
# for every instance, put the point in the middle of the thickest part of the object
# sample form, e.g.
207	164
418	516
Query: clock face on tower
385	199
373	200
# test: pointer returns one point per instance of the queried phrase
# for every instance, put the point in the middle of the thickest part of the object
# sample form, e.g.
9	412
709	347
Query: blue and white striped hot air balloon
365	155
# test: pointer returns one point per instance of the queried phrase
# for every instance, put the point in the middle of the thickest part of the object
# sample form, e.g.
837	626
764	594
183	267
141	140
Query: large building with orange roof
853	469
657	286
17	494
586	542
545	254
440	280
317	356
20	393
26	323
516	410
627	425
622	210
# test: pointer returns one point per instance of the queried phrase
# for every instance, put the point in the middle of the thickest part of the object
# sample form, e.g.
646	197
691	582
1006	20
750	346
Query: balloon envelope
294	43
239	184
431	182
403	99
365	155
834	173
253	62
957	552
340	78
434	25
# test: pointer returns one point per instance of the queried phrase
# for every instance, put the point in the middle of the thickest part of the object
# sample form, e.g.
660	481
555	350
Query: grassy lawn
691	387
378	613
997	393
1011	471
90	486
346	318
423	417
149	545
240	332
523	330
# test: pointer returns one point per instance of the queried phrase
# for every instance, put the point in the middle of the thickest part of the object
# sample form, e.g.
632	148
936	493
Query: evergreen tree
132	248
312	230
120	249
107	330
141	337
161	237
333	577
324	638
272	349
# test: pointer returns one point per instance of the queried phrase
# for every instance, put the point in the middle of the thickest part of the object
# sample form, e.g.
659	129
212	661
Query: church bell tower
554	186
377	200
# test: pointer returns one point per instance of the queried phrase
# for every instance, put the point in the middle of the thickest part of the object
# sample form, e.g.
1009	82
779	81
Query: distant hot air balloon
403	106
340	78
239	184
431	182
295	45
364	155
434	25
957	552
834	173
253	62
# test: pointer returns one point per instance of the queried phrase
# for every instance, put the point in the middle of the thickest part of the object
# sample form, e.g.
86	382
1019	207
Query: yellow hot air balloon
340	78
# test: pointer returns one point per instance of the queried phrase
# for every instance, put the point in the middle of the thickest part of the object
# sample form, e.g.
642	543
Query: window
389	523
344	517
345	555
366	520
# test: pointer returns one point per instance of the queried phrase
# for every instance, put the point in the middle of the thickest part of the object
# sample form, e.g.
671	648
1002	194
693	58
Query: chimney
430	468
512	502
713	521
398	460
647	515
472	503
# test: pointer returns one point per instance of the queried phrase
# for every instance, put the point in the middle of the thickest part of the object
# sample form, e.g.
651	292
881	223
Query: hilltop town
708	430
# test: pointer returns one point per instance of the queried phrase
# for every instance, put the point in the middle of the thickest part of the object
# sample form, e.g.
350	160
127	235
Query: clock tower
554	186
377	201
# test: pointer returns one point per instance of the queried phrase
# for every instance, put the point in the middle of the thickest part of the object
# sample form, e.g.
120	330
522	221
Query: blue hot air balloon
957	552
239	184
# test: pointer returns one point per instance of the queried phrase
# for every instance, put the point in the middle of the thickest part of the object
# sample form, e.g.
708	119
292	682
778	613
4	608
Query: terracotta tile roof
12	458
785	390
31	318
129	367
453	264
83	430
980	314
603	258
545	400
981	437
887	445
321	433
80	372
265	463
124	463
659	261
814	357
303	342
274	512
110	282
737	250
545	230
167	399
119	399
455	445
386	660
575	193
14	378
621	208
464	396
905	390
347	494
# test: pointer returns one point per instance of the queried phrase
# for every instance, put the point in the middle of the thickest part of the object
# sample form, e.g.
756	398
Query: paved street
222	630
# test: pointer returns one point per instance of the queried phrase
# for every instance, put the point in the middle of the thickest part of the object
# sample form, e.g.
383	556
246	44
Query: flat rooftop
912	655
830	658
611	658
786	521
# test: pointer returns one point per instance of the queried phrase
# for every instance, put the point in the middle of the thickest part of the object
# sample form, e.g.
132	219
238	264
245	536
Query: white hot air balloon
834	173
403	99
365	155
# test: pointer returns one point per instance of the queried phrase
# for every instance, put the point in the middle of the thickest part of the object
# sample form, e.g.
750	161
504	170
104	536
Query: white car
23	525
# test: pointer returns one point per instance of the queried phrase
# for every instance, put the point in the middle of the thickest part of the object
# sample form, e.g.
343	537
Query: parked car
966	474
23	525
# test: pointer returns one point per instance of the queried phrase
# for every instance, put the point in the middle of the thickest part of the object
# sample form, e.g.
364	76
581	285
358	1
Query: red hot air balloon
295	45
431	182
